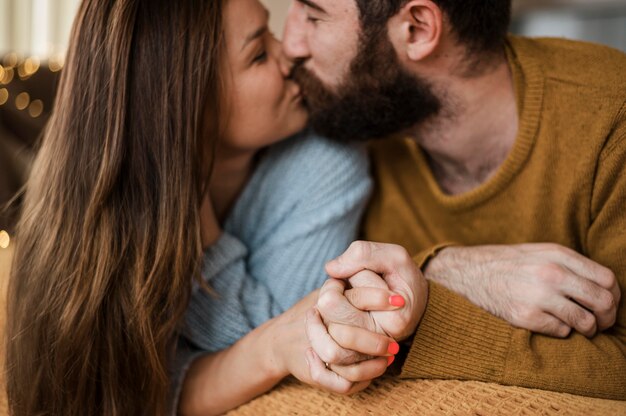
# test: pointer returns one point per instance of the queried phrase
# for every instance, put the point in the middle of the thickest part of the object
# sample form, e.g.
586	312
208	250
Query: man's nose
295	43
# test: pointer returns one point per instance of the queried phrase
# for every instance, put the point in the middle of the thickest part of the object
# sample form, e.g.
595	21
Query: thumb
362	255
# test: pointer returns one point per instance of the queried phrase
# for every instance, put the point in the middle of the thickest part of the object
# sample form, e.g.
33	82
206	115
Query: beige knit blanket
389	397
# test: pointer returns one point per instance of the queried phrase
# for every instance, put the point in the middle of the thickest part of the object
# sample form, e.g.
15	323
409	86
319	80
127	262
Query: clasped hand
375	298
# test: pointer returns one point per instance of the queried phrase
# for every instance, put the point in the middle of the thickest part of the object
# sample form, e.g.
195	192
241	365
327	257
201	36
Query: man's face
353	83
325	33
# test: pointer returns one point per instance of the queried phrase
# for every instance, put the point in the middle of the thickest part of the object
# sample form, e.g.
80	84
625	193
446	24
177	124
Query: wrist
273	342
449	268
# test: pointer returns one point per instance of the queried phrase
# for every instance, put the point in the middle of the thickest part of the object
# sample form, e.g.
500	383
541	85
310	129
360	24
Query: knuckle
553	328
608	304
562	331
587	324
315	375
607	279
578	318
344	388
360	249
400	254
327	302
381	346
552	273
330	354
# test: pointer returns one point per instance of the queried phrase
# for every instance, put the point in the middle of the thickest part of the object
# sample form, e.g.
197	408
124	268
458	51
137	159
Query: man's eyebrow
313	5
256	34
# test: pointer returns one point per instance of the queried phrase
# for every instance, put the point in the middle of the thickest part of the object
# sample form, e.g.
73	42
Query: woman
155	100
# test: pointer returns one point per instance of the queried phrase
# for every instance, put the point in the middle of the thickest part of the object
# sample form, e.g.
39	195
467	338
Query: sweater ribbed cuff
457	340
423	257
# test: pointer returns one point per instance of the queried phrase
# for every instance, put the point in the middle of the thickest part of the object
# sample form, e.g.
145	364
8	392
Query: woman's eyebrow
254	35
257	33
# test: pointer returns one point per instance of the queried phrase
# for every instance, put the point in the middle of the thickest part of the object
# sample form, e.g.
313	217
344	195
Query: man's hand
545	288
364	263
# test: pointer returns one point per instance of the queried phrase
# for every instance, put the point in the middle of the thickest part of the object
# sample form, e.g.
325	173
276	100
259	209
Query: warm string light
28	68
35	108
10	60
4	96
22	101
7	75
12	64
5	240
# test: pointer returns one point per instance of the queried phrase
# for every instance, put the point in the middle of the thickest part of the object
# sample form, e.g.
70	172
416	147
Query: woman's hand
280	347
301	337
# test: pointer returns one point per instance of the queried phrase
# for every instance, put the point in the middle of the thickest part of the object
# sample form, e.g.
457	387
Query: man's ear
416	29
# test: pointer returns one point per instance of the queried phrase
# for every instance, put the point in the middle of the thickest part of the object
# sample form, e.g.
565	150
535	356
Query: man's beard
378	98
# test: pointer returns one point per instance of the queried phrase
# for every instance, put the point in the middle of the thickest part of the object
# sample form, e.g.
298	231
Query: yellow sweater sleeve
457	340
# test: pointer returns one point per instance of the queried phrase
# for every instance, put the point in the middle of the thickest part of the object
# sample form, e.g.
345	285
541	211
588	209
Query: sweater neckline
528	80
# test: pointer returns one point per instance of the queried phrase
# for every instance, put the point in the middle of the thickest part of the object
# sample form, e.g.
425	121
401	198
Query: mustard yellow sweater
563	182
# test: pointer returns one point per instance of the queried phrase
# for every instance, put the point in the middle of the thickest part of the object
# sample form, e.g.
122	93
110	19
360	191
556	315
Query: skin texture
263	105
329	38
563	291
466	143
264	108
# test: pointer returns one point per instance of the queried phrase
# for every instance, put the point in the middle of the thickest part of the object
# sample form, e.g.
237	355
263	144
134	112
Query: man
501	159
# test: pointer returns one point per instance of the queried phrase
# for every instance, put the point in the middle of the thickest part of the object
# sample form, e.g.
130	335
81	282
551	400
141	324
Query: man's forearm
544	288
457	340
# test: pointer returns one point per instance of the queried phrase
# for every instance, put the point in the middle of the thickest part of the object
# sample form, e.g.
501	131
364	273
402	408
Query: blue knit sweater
301	208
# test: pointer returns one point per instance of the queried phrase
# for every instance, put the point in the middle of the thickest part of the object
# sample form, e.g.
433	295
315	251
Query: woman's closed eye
260	57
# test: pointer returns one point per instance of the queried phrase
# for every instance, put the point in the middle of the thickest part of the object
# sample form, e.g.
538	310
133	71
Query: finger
325	346
335	307
370	293
324	377
363	341
548	324
364	255
584	267
333	286
574	316
370	299
367	278
600	301
357	387
363	371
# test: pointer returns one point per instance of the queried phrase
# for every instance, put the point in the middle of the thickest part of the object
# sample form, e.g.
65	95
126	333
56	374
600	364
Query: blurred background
34	36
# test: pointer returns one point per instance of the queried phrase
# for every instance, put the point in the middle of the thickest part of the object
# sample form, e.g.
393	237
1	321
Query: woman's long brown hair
109	239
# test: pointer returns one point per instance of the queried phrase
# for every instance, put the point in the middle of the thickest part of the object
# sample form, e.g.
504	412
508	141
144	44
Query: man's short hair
481	25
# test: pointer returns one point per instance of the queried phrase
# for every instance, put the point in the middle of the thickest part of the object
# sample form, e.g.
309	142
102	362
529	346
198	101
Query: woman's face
263	106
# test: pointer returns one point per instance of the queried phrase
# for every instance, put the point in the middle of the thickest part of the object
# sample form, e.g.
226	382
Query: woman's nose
286	64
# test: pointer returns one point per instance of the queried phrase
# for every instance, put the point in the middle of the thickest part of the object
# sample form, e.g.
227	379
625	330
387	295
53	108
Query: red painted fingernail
396	300
390	360
393	348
